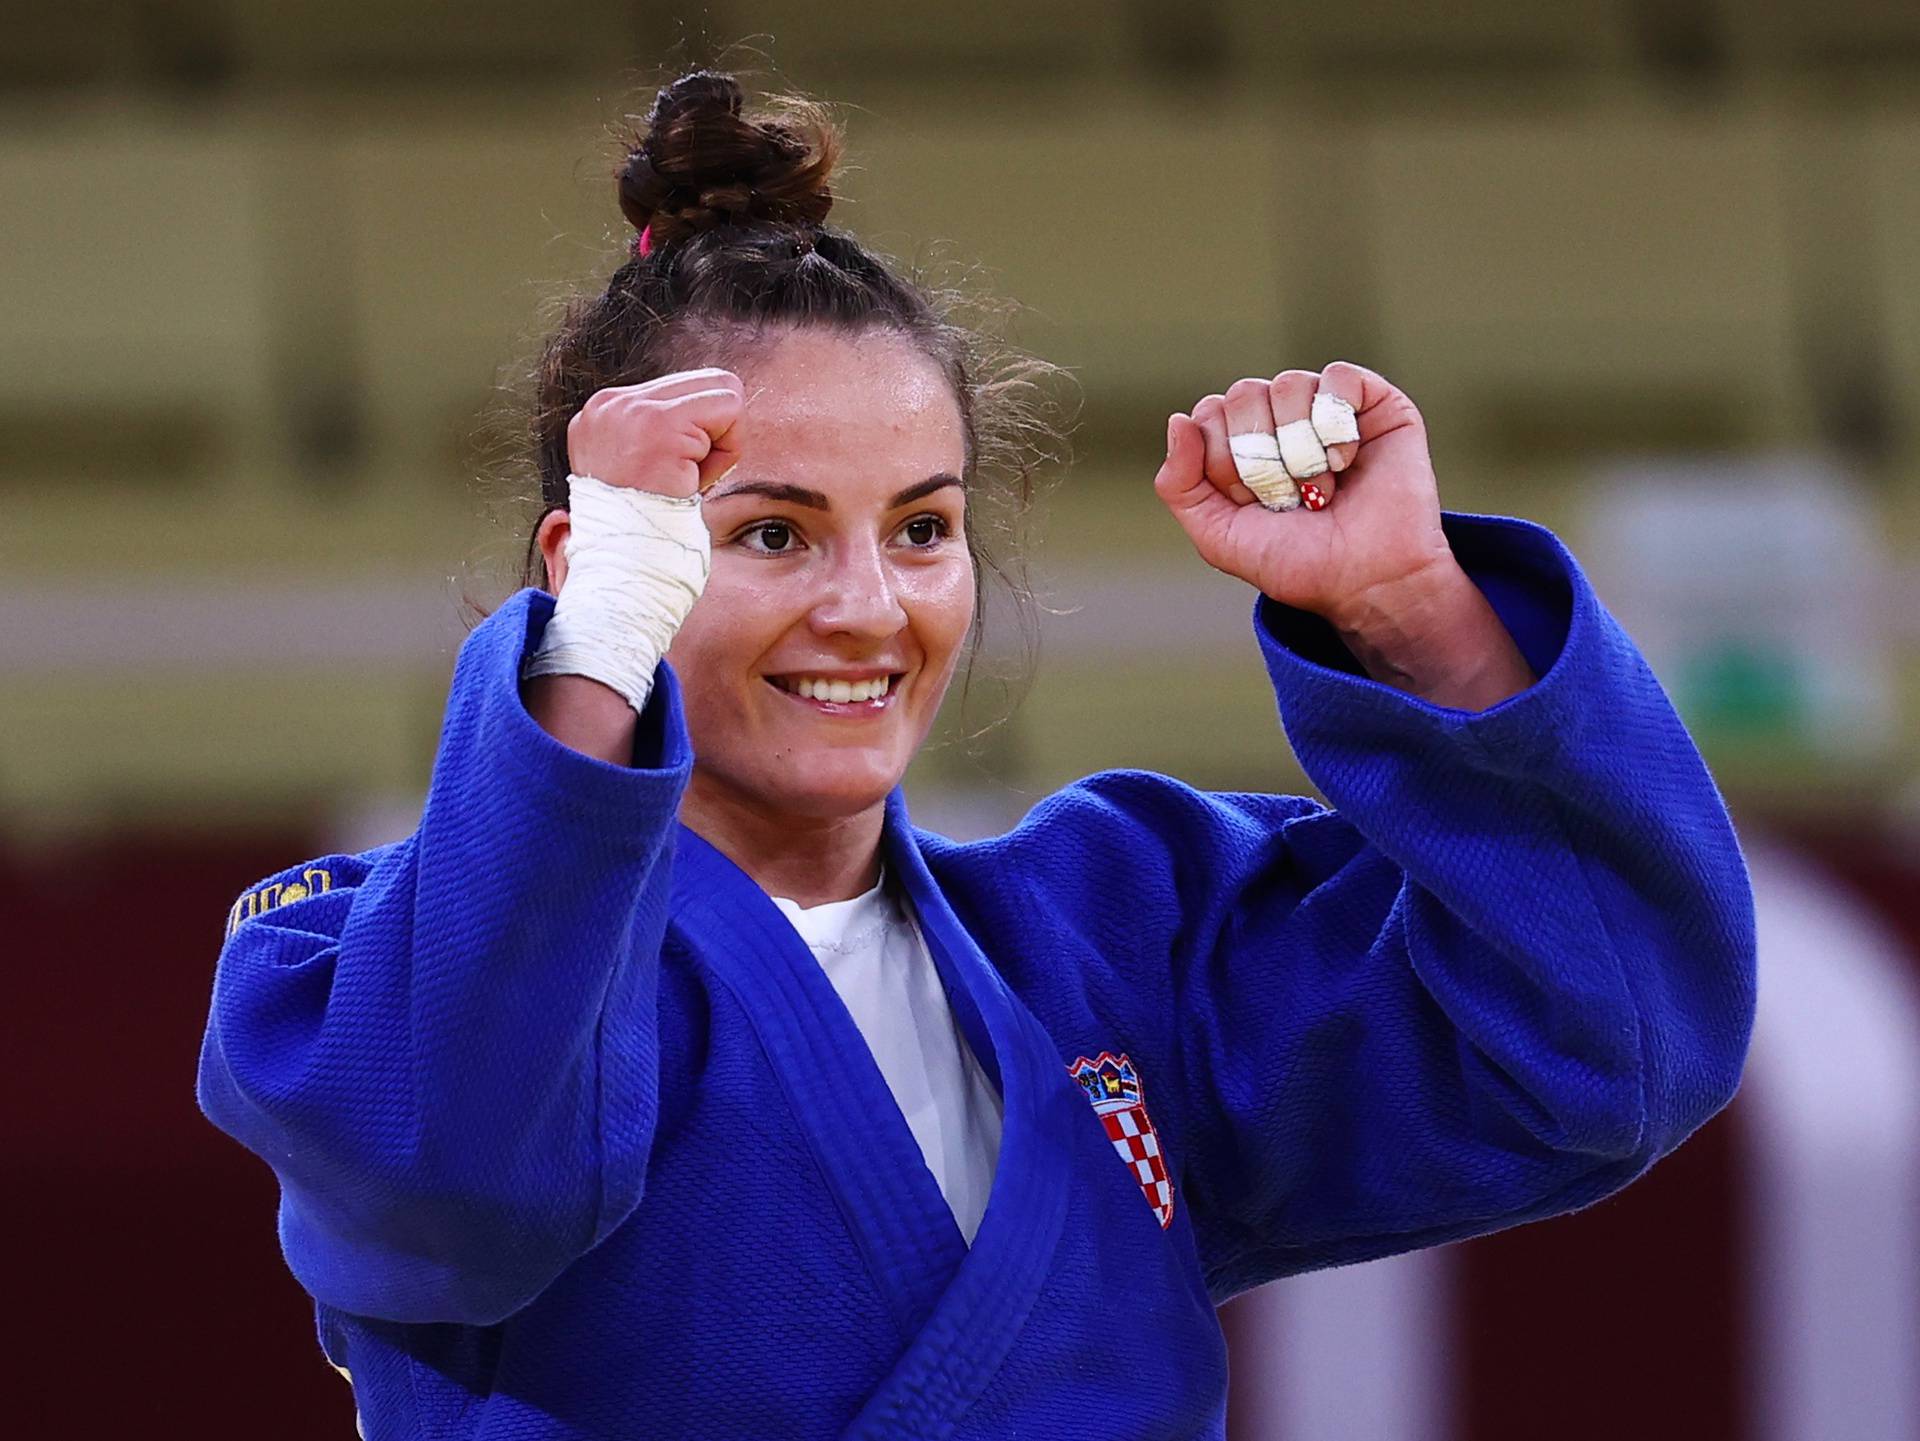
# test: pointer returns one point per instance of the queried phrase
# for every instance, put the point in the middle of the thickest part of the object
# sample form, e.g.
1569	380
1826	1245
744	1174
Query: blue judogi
575	1138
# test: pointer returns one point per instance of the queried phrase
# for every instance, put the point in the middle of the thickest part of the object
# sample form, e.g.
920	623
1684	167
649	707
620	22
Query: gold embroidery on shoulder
314	881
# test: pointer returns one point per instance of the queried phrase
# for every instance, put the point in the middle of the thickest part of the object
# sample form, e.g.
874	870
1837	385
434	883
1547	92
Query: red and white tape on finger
1273	466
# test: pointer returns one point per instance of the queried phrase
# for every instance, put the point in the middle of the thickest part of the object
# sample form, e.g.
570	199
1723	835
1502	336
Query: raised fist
1370	522
673	436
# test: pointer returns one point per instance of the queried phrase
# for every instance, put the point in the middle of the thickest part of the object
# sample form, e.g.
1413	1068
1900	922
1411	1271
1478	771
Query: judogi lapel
958	1309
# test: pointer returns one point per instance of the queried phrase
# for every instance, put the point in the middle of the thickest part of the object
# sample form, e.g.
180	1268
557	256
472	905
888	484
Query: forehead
852	406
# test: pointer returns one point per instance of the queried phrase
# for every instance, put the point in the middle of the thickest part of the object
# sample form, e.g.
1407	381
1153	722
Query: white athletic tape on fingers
1256	459
636	563
1333	419
1300	450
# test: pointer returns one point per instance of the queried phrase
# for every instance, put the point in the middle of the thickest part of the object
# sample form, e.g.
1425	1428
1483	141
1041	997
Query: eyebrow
817	500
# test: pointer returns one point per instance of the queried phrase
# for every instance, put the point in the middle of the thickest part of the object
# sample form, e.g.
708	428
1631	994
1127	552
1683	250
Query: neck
809	860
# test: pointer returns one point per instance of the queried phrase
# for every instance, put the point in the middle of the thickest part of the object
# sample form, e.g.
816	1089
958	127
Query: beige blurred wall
268	269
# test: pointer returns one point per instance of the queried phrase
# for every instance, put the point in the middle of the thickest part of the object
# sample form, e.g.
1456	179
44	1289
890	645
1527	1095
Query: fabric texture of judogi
575	1138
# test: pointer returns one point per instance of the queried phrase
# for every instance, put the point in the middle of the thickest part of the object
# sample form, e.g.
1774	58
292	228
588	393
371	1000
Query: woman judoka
668	1082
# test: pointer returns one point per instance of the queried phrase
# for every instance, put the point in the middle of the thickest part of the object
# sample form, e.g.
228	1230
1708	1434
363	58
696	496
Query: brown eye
776	537
924	530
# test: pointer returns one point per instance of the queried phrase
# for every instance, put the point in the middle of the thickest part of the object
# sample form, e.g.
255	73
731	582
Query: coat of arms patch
1113	1086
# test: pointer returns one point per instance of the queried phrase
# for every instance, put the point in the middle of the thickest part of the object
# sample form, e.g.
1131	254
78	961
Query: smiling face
840	566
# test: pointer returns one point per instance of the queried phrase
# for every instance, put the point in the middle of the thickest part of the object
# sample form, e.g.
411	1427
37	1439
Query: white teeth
840	691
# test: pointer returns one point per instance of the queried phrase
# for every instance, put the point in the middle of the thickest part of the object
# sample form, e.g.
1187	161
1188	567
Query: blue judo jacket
575	1139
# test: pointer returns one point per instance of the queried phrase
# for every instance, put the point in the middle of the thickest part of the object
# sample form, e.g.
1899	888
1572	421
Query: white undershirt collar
838	927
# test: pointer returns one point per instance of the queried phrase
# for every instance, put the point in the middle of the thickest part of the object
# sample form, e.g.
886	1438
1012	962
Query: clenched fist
673	435
670	437
1379	528
1372	560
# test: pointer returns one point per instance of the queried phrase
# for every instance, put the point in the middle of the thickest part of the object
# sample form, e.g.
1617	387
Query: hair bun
703	163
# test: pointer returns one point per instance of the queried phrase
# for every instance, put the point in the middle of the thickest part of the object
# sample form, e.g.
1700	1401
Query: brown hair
733	205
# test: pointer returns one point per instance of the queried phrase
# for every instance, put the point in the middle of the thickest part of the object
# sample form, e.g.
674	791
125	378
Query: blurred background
1649	267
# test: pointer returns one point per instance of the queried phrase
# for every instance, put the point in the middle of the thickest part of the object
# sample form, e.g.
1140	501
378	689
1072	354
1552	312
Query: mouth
824	696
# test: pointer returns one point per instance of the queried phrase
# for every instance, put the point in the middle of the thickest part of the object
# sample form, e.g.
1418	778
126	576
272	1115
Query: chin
847	791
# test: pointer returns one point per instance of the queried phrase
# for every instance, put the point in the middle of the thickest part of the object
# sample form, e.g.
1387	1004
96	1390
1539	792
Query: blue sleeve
446	1048
1508	970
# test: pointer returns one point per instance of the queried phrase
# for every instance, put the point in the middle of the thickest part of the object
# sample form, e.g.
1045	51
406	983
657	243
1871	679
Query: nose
859	598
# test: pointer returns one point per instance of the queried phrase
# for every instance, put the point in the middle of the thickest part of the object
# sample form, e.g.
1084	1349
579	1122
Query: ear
551	537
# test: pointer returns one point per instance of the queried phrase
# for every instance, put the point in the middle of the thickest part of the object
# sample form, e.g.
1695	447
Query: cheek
719	640
942	607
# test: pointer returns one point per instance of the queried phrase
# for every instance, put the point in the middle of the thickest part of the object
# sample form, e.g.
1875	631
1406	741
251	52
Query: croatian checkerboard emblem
1113	1086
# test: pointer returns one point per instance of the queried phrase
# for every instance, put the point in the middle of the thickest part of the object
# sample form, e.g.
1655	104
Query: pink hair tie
643	242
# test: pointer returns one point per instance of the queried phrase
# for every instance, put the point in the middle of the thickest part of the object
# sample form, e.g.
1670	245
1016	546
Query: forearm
583	715
1436	637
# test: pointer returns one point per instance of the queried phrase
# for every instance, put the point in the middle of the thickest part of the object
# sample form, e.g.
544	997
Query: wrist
1435	636
637	562
1397	615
